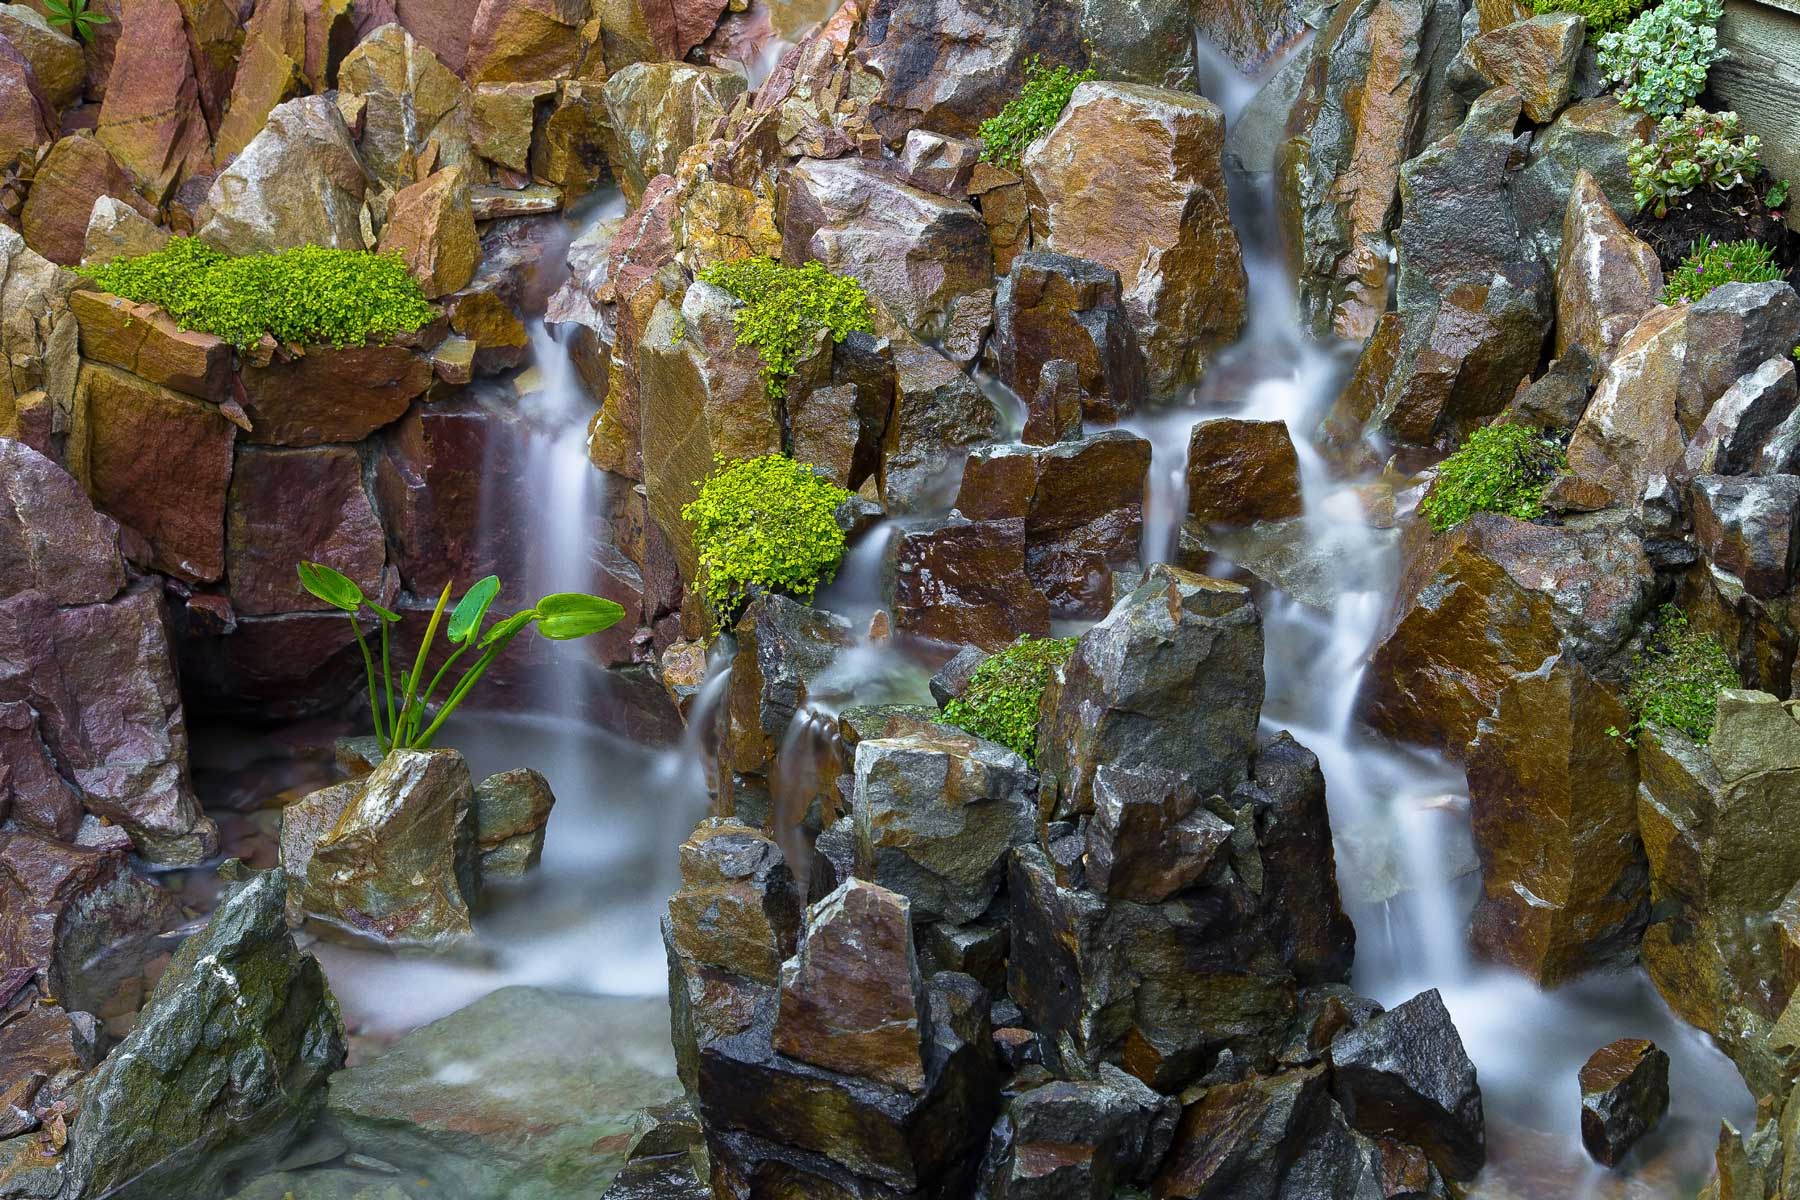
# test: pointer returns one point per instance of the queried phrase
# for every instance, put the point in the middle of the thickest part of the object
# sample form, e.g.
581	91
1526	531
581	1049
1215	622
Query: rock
1630	434
291	506
512	810
56	59
1490	599
1079	1137
225	1067
298	183
1535	57
677	28
1731	331
1338	170
1593	136
1194	702
1405	1074
1750	526
145	341
498	203
1053	412
537	39
1304	912
397	868
938	415
852	1000
414	103
290	47
117	230
1251	33
1624	1094
33	795
1744	421
1606	279
576	315
1090	181
958	581
27	121
38	336
1557	398
325	394
443	1104
923	256
51	539
667	1162
76	173
1082	504
1050	307
44	1052
501	116
1240	472
1554	800
1149	837
1140	41
151	119
942	165
737	909
657	111
431	226
936	812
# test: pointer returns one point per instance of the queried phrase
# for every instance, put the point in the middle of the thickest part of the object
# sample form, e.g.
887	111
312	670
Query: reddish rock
26	119
431	226
77	172
1624	1094
512	40
55	57
151	120
51	539
1606	279
1051	306
215	33
1240	472
288	47
327	394
159	462
145	341
32	794
957	581
293	505
680	25
440	25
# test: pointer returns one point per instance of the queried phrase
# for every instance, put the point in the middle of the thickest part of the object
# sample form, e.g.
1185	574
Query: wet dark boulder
225	1068
1750	527
1590	135
938	416
1240	472
1149	837
1051	306
1624	1094
1745	423
1306	915
1078	1139
958	581
1405	1074
666	1160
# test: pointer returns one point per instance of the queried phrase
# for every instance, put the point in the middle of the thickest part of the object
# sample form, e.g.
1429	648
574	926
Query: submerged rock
1624	1094
225	1067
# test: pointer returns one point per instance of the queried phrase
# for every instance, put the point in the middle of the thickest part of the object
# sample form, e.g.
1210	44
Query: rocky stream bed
1115	600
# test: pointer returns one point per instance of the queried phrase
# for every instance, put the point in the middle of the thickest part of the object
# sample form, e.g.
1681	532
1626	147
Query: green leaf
509	627
386	613
333	587
568	615
472	608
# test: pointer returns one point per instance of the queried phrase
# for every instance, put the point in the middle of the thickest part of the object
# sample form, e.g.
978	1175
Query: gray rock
299	182
512	810
952	679
1750	526
225	1068
1592	136
1745	420
935	163
1149	838
1731	331
658	110
668	1161
1079	1139
1140	41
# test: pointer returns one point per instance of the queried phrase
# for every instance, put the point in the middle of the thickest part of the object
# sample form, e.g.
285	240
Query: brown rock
1630	432
298	183
1240	472
658	110
679	26
1050	307
151	120
55	57
1129	177
415	102
32	795
852	1000
957	581
76	173
442	26
145	341
501	116
1536	56
289	47
939	164
26	119
1606	279
1624	1094
38	336
938	415
512	809
430	226
289	506
159	462
737	909
327	394
1005	210
215	34
512	40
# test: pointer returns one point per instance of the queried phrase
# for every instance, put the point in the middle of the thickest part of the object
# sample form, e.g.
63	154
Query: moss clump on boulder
769	522
1500	468
1678	677
1001	701
1603	16
785	308
1037	107
307	295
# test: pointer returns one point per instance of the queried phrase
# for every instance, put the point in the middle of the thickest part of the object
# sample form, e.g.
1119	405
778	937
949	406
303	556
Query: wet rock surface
1624	1093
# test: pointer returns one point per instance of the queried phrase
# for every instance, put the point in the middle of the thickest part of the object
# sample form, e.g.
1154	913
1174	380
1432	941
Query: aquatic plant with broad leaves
560	617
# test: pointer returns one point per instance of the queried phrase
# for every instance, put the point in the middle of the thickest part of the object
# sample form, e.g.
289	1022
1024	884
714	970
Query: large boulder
291	506
1079	1138
225	1068
1536	57
151	119
414	108
1749	526
1129	177
1051	307
430	225
76	173
1606	279
56	59
532	39
298	183
1624	1094
657	111
1240	472
1593	136
958	581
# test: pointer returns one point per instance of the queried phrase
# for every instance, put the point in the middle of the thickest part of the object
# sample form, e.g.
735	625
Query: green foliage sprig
308	294
1661	59
1677	679
75	18
786	307
1603	16
1001	701
1694	149
1717	264
767	521
1500	468
402	726
1037	107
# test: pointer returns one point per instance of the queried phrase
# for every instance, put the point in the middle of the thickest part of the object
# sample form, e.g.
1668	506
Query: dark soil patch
1707	215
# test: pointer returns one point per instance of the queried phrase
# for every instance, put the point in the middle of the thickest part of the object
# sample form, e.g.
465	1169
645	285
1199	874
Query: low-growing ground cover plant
1001	701
1692	150
1500	468
1603	16
1717	264
784	308
309	294
769	522
1659	61
1035	109
1677	678
401	706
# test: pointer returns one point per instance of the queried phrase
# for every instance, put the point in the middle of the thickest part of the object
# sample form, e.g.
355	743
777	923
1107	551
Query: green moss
786	307
1039	103
1603	16
1001	701
1717	264
308	294
1677	679
1500	468
766	521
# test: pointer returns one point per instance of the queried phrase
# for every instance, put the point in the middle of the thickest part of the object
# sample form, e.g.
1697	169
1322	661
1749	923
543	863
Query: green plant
767	521
784	308
1500	468
75	18
307	294
1694	149
402	726
1777	195
1717	264
1036	108
1001	701
1660	60
1677	679
1603	16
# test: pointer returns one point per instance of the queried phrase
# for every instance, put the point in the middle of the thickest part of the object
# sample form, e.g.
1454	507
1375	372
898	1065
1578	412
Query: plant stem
387	677
409	719
469	679
369	674
425	700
